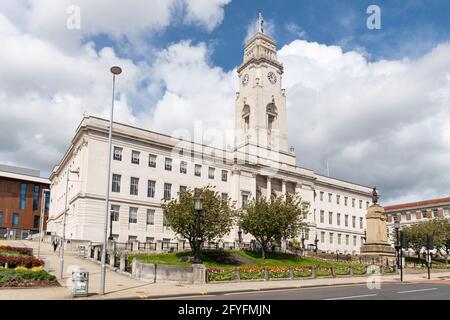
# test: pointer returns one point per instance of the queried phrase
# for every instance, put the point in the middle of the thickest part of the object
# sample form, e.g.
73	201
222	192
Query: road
435	290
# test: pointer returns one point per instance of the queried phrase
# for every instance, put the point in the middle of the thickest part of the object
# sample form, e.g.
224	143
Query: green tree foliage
217	216
273	220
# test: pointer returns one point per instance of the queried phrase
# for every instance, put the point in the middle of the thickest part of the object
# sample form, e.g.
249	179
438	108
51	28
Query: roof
24	177
425	203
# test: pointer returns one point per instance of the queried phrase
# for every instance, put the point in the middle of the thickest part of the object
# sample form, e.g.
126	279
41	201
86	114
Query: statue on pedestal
377	244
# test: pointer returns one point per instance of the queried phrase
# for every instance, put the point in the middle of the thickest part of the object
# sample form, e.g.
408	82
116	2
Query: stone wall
158	273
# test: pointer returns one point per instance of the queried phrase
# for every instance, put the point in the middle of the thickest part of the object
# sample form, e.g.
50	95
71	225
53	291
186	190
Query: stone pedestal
377	248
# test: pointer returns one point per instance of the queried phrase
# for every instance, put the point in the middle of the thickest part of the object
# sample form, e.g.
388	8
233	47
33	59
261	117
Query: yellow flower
3	245
20	268
35	269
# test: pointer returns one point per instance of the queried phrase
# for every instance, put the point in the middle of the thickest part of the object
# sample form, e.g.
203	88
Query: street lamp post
41	220
316	241
61	260
115	71
398	248
198	212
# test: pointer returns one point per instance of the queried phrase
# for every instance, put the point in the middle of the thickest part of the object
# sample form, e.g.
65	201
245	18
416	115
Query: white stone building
149	166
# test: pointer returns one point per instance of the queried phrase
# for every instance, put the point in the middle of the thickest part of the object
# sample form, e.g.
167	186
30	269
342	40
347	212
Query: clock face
246	79
272	77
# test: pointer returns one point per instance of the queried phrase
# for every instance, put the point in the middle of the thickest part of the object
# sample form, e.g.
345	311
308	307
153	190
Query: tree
272	220
416	236
217	216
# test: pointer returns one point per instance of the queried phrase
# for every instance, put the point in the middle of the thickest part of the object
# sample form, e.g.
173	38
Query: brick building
20	200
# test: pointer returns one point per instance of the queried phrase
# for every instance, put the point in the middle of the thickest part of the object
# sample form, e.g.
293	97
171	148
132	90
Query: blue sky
409	27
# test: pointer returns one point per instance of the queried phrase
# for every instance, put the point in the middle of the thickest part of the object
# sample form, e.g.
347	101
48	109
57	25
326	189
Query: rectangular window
183	189
361	223
354	240
244	200
152	161
198	170
224	175
37	190
23	195
149	239
116	178
47	200
338	219
353	222
331	237
133	215
330	197
115	213
330	217
345	201
36	221
167	191
117	155
339	238
135	157
1	218
347	240
132	239
322	216
134	186
338	199
321	195
322	237
360	204
224	196
346	220
183	167
151	188
211	172
165	222
15	221
150	217
168	164
367	205
353	203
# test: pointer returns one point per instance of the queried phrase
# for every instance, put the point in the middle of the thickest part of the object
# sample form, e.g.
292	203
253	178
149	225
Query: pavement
120	286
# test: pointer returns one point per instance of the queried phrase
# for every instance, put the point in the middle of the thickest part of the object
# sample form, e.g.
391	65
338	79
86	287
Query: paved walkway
119	286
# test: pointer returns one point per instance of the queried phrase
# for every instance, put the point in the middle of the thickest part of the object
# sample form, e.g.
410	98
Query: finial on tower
261	23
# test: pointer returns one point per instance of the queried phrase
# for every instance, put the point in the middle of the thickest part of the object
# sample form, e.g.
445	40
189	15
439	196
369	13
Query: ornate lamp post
398	248
316	241
198	212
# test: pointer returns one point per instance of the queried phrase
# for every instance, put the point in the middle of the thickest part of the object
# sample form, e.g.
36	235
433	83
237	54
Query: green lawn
225	259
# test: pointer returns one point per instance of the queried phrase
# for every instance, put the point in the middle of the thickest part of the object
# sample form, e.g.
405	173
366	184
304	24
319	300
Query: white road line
352	297
419	290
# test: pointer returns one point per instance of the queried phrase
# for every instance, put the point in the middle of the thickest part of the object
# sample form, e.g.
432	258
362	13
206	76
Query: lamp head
199	203
116	70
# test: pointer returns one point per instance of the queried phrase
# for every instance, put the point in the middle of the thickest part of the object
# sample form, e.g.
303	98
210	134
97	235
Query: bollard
266	274
291	273
351	271
313	272
237	274
333	272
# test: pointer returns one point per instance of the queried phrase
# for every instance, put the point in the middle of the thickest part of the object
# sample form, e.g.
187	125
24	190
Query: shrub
323	271
342	271
278	272
10	275
28	262
216	274
302	272
359	269
251	273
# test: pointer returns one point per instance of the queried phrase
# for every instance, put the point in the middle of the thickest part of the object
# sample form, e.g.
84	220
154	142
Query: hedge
28	262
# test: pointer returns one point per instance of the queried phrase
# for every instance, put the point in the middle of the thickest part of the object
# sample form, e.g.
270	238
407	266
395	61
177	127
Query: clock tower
260	119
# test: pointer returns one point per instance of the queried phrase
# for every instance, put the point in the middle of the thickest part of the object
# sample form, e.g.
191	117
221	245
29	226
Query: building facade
21	200
415	212
148	167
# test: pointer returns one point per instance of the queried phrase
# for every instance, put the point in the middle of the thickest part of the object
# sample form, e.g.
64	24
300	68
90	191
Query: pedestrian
55	245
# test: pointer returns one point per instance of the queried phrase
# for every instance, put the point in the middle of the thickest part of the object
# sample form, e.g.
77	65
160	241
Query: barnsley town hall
149	166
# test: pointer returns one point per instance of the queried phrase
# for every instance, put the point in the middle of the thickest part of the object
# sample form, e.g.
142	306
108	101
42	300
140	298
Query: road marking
353	297
419	290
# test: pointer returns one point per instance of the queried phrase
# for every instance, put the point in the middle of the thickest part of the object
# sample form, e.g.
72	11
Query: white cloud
296	30
207	13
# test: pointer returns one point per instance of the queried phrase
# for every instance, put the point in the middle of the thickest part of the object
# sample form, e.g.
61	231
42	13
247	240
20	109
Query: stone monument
377	247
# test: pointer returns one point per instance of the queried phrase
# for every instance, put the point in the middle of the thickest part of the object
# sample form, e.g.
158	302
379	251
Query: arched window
272	114
246	117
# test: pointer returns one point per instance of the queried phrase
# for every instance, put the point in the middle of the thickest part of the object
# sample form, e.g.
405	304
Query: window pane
152	161
168	164
183	167
133	215
211	173
134	186
198	170
150	217
117	154
37	190
115	213
15	221
1	218
135	157
167	191
23	194
224	175
116	182
151	189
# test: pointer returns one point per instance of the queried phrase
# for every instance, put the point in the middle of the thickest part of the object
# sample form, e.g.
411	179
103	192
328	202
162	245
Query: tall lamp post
198	212
115	71
61	259
316	241
398	248
41	220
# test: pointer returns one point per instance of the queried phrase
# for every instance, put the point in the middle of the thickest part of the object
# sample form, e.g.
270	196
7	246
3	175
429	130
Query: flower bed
251	273
21	277
323	271
278	273
359	269
216	274
342	271
302	272
14	261
388	270
23	251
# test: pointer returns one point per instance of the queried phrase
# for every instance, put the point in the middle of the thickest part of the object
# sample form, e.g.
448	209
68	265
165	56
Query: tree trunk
263	249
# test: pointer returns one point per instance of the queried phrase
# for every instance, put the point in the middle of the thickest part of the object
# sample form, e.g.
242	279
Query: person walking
55	245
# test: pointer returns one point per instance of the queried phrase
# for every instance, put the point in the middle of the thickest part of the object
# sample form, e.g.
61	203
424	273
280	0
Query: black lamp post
398	248
365	236
240	235
111	216
303	241
198	239
316	241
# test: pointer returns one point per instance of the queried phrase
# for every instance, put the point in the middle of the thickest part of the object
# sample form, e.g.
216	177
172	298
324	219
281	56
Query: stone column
283	187
269	187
